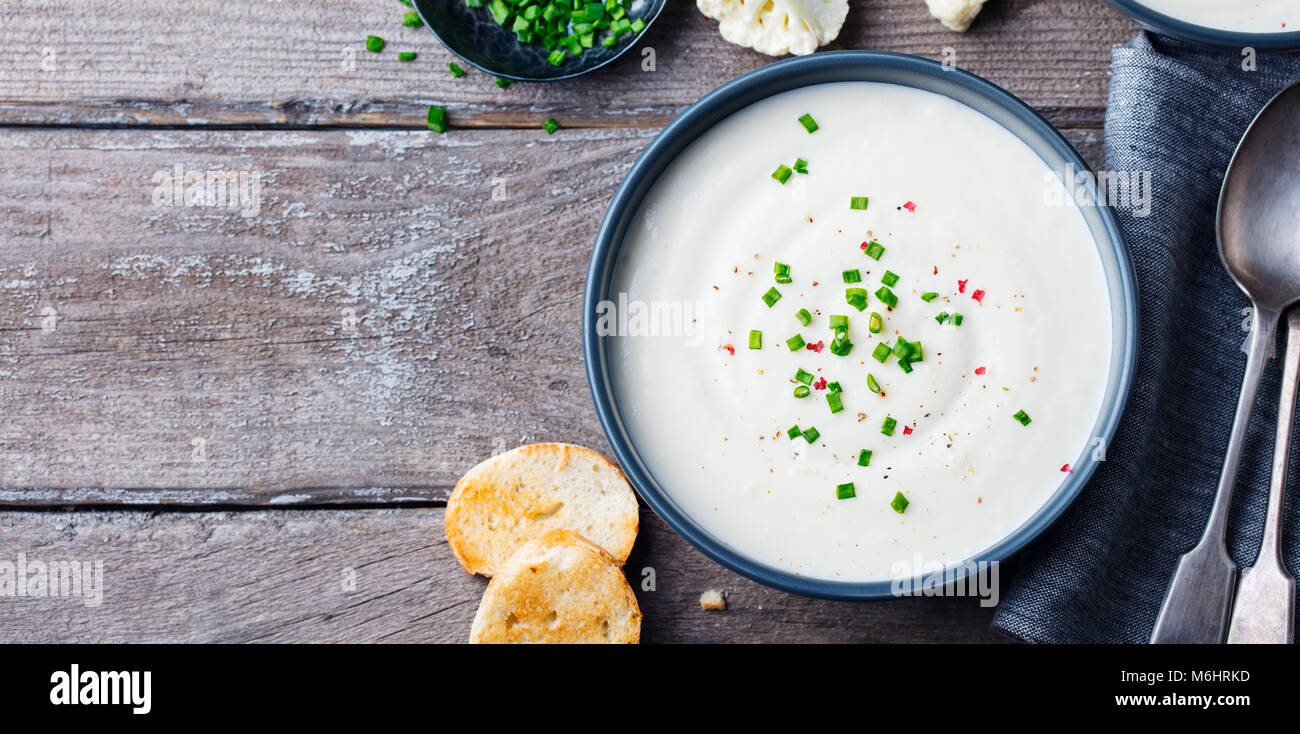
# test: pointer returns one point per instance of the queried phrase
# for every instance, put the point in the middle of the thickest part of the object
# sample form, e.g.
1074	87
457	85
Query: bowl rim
657	10
751	86
1156	21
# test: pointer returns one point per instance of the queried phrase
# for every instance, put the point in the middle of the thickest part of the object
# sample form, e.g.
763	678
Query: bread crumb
713	599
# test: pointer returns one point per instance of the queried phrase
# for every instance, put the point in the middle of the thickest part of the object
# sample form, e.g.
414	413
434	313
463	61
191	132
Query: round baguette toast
558	589
518	496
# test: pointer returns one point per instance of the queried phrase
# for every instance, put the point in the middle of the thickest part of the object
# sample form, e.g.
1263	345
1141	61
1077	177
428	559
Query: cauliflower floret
777	27
955	14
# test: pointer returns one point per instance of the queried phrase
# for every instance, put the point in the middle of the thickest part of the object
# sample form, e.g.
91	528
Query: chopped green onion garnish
899	503
834	387
504	82
795	342
550	126
782	173
406	56
942	317
437	119
808	123
888	426
845	491
839	323
872	385
874	250
857	202
852	276
755	339
1023	417
455	70
927	297
887	296
876	323
782	273
856	297
910	351
412	20
835	402
802	391
811	434
771	297
902	348
793	432
374	44
905	366
804	317
881	352
890	278
803	376
840	345
800	165
864	457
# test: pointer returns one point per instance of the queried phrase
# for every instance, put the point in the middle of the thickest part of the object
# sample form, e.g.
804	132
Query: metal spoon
1265	608
1259	244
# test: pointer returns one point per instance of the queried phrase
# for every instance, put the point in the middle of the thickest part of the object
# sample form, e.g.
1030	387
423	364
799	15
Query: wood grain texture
194	355
276	62
385	576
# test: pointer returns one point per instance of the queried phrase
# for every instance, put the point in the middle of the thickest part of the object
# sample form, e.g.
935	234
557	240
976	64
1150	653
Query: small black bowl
471	34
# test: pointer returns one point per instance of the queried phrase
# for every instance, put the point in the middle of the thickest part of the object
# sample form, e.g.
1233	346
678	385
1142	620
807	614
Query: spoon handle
1265	606
1200	595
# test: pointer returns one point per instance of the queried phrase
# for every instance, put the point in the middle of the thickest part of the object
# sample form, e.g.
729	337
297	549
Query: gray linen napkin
1100	574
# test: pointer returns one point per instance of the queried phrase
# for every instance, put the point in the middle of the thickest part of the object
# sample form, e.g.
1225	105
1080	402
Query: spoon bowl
1259	208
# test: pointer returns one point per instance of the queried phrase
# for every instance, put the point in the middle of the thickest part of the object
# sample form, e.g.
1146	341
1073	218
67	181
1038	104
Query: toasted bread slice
513	498
558	589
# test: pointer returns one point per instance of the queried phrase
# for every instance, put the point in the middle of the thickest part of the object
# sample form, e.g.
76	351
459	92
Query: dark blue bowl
1163	24
471	34
842	66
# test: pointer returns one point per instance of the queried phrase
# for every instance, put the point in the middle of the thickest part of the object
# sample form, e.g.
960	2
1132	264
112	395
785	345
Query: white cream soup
953	198
1241	16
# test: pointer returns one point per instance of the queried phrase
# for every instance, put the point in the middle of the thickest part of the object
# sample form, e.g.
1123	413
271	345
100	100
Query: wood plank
254	62
384	576
193	355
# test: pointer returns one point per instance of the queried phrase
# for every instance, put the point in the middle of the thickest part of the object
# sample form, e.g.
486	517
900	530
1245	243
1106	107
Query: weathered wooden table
252	416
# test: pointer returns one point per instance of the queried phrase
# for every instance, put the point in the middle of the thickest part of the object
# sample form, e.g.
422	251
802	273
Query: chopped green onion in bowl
564	28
